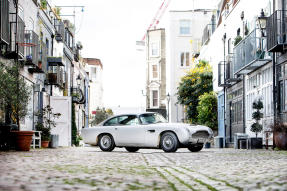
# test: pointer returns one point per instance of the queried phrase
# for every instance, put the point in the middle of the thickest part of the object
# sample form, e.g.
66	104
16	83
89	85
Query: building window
184	59
154	71
184	28
94	73
154	98
154	49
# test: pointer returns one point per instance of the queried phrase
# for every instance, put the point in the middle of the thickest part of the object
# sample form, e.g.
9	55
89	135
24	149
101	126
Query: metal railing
207	32
56	76
277	31
4	21
249	49
31	51
19	34
60	30
43	57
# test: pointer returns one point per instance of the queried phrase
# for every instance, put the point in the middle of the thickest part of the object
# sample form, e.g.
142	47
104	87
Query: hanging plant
43	4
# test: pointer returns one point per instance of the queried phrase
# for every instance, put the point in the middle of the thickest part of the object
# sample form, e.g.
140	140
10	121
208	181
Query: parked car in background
146	130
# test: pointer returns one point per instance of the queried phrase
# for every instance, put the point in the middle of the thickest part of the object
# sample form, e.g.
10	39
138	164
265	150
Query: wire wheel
169	142
106	143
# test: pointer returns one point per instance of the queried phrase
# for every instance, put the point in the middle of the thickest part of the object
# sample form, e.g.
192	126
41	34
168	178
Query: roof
93	61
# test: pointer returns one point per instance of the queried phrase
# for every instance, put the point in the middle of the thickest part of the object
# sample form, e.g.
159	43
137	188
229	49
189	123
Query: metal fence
249	49
31	52
277	31
4	21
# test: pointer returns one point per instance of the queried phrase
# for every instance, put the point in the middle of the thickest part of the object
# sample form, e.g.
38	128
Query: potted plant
15	95
237	39
257	127
46	121
280	135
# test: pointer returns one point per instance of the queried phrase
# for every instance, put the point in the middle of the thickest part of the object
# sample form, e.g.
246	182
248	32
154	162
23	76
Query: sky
108	30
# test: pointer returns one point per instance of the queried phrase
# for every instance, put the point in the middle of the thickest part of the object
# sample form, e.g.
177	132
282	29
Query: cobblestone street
90	169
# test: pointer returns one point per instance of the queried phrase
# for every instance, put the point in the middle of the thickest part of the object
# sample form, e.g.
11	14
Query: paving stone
88	168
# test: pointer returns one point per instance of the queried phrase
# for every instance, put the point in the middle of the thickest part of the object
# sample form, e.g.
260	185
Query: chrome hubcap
168	142
106	141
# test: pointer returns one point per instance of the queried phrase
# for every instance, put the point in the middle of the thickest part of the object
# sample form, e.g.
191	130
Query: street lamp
168	100
262	20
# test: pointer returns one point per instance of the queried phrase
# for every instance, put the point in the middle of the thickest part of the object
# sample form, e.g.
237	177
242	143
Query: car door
151	135
129	132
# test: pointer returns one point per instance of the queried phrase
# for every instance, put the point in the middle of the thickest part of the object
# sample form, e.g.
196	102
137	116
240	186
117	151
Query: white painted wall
96	87
182	43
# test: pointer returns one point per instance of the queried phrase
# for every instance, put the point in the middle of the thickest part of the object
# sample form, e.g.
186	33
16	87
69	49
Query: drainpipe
224	90
52	44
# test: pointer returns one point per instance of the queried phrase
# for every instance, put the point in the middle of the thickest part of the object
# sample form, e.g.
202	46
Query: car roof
138	114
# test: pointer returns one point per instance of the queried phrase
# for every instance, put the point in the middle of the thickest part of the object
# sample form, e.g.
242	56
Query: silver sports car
146	130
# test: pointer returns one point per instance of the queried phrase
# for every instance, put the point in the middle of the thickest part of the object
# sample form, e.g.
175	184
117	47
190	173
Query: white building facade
242	73
94	68
184	41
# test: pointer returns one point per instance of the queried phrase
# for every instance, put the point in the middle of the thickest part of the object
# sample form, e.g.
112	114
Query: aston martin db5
146	130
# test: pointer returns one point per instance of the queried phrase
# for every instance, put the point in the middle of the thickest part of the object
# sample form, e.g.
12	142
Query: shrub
207	110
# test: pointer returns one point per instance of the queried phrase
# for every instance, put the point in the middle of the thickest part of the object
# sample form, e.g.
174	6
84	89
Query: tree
207	110
257	115
14	93
195	83
101	115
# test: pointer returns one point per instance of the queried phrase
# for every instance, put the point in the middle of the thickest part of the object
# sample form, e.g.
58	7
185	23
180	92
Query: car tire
106	143
195	148
169	142
132	149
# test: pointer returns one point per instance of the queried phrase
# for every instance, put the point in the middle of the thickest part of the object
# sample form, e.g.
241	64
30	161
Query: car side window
128	120
111	122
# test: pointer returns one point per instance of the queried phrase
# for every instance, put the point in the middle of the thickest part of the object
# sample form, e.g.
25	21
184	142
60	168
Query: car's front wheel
169	142
106	142
195	148
132	149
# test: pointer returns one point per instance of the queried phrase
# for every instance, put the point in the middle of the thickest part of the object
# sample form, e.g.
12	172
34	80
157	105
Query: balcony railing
277	31
16	40
207	32
226	67
60	30
41	66
250	53
4	21
32	48
55	76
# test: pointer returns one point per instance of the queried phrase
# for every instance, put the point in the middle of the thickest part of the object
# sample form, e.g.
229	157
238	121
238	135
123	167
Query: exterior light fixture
168	100
262	20
78	80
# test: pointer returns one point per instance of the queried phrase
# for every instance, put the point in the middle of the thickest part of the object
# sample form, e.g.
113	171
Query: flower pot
45	144
255	143
23	140
280	139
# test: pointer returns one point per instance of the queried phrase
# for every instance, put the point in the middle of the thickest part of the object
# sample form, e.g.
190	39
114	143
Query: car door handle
151	130
116	128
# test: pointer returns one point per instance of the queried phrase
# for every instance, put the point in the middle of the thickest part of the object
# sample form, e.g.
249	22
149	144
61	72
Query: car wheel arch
160	135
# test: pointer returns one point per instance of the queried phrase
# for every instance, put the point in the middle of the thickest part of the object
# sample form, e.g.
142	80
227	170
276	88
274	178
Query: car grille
200	134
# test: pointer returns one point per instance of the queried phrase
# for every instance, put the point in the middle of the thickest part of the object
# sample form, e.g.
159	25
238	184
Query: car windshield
149	118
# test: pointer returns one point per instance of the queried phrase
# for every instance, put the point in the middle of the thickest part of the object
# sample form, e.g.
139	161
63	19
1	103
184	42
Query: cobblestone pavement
87	168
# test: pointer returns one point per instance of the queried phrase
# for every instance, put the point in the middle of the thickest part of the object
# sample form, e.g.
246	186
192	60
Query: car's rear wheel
195	148
106	142
132	149
169	142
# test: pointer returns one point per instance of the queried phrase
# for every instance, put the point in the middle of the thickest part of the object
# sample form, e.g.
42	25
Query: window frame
185	27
